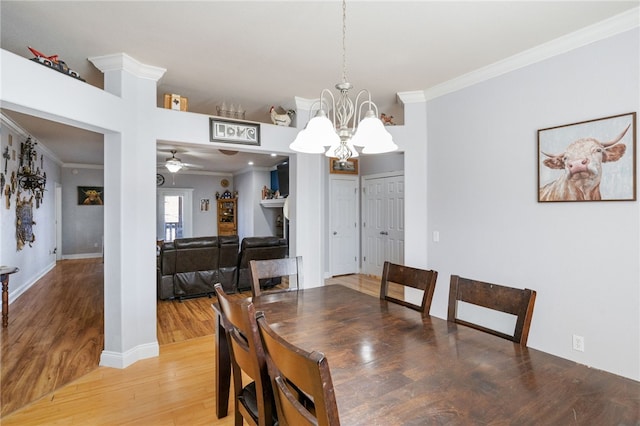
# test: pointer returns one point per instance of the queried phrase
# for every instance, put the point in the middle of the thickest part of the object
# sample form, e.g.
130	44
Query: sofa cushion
196	242
196	266
228	266
259	248
253	242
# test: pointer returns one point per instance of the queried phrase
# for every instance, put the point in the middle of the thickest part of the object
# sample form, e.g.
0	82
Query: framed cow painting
591	160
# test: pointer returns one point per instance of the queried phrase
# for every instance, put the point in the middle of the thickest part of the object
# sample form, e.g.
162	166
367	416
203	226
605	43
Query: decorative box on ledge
273	203
177	102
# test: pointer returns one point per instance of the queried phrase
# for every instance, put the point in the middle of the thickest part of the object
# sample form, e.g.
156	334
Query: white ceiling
263	53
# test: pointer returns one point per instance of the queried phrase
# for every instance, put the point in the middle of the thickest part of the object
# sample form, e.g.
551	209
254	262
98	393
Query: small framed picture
204	204
90	195
348	167
244	132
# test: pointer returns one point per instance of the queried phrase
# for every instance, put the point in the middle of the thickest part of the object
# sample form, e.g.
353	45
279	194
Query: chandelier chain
344	41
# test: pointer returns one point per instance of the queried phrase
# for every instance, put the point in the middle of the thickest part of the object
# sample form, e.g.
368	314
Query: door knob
384	233
335	233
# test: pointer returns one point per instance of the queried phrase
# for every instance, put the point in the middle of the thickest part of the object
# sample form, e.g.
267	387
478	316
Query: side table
5	271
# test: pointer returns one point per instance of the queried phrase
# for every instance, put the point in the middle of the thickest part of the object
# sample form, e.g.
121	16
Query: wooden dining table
390	366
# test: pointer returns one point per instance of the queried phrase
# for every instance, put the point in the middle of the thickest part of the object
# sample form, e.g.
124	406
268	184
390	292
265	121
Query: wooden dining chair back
406	276
301	381
510	300
288	268
254	401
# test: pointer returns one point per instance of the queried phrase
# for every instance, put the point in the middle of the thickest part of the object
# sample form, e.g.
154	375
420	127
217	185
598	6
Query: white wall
253	219
581	258
82	226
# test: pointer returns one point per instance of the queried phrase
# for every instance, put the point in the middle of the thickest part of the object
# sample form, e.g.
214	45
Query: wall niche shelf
273	203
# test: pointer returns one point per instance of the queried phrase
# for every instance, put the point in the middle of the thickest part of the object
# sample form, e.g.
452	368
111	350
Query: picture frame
593	160
227	131
350	167
90	196
205	204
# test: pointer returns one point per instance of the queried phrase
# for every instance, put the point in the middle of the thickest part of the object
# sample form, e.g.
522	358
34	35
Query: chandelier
343	124
30	177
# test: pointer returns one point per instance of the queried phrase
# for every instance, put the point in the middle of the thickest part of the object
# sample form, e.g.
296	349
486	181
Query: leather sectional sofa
189	267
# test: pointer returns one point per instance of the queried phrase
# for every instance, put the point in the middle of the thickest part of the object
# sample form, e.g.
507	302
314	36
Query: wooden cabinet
228	216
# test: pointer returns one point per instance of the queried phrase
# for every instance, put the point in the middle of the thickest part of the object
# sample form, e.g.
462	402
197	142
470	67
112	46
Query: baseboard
123	360
81	256
17	292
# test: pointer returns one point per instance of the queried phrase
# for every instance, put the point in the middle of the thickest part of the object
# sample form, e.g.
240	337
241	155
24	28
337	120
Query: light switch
436	236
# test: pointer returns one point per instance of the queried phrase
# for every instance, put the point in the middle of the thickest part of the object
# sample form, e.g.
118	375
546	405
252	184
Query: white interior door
344	225
382	222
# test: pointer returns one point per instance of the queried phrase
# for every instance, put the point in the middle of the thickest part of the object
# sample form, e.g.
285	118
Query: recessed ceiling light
273	154
251	163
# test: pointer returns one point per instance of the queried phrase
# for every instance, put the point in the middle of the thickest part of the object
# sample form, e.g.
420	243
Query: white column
130	211
414	143
306	206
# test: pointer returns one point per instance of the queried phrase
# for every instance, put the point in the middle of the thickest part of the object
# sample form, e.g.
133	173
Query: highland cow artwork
588	161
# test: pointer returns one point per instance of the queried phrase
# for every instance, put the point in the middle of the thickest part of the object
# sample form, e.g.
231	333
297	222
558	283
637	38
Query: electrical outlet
578	343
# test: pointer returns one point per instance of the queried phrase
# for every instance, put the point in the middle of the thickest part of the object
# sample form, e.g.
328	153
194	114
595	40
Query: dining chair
511	300
288	267
406	276
254	401
301	381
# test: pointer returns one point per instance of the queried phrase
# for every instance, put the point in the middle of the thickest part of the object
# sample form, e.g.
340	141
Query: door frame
187	198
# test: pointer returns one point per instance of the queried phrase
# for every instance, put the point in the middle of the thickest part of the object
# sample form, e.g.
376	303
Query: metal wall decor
31	177
24	222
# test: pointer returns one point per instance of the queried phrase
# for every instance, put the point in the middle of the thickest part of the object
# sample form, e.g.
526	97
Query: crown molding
15	127
609	27
413	97
122	61
82	166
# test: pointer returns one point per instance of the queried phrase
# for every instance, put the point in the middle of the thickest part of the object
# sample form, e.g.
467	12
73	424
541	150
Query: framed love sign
242	132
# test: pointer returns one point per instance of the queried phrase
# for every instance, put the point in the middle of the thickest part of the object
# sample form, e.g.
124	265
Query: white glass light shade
372	135
173	166
319	133
306	143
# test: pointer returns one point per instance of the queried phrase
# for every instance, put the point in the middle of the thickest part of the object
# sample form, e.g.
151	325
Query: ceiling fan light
173	165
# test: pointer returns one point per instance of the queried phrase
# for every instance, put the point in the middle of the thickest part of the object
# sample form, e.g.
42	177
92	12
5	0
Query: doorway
174	217
382	221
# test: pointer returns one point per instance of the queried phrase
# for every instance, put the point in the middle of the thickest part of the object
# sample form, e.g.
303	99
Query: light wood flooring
51	351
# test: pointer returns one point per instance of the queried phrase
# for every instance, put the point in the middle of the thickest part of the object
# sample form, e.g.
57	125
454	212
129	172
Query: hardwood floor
55	333
51	350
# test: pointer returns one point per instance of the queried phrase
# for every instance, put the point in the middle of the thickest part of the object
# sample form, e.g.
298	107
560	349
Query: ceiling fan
174	164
